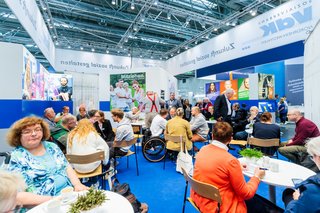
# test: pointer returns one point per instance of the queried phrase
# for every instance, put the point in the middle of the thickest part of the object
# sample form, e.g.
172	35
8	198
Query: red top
304	129
214	165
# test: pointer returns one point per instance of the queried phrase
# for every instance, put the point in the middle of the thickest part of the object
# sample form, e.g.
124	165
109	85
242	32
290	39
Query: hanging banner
230	84
127	90
266	86
243	90
212	90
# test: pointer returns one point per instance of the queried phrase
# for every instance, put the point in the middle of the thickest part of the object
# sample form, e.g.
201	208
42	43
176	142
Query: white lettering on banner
288	22
133	76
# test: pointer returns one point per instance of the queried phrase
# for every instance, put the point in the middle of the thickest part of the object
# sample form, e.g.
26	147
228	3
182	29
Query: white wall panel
312	76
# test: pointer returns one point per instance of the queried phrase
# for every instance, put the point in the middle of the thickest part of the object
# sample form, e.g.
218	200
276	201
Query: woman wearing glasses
42	164
306	196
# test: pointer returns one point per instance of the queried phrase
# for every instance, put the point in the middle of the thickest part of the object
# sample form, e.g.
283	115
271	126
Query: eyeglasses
31	131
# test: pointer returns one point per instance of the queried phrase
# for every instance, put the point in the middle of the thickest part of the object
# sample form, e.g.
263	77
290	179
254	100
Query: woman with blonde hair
84	140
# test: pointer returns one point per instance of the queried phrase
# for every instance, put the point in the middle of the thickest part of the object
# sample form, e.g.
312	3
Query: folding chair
90	158
176	139
266	143
124	143
203	189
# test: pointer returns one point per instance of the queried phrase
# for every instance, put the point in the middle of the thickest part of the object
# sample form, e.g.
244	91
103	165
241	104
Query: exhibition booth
270	46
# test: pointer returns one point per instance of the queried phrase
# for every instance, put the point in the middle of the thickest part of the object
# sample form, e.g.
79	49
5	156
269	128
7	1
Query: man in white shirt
159	123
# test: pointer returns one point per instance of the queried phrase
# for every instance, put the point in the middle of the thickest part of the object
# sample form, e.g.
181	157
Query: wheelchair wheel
154	150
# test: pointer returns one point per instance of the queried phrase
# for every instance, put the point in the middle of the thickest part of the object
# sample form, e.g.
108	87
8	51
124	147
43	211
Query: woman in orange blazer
214	165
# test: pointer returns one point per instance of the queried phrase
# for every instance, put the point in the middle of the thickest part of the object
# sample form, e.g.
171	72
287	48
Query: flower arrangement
251	153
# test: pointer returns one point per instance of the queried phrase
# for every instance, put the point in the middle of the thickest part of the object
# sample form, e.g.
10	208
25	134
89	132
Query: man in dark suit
222	106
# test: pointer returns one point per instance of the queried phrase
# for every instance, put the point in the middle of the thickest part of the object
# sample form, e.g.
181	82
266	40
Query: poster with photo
212	90
229	84
59	87
243	90
28	77
127	90
266	86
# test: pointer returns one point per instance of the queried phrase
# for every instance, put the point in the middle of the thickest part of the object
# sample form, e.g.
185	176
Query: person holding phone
306	196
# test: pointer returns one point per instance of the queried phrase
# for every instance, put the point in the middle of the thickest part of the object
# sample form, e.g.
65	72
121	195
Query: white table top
287	171
115	204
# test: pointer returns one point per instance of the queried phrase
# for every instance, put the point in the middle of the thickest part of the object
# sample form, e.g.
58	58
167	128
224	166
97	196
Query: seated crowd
40	144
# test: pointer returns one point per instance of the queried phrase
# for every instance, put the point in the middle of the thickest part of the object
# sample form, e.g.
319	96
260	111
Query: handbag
184	160
124	190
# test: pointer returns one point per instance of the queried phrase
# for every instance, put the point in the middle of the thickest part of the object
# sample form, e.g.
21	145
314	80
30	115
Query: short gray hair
67	118
229	91
313	146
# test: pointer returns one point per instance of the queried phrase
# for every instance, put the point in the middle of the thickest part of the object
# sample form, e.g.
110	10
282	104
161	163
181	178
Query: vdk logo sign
288	22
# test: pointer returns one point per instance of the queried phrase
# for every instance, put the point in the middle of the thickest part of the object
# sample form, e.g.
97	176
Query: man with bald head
222	106
295	149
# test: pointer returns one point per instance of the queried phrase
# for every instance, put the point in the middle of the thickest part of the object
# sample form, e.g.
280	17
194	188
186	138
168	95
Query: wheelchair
154	148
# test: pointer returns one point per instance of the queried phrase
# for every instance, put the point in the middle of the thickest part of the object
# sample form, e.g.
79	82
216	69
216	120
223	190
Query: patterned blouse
39	177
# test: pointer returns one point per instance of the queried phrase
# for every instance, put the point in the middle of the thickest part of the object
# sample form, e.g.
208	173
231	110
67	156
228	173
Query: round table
115	203
287	171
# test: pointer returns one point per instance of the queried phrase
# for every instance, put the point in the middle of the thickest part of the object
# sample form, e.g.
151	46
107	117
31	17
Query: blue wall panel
13	110
10	111
104	105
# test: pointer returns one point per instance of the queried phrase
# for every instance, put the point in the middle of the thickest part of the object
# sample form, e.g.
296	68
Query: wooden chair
137	130
203	189
176	139
124	143
90	158
265	143
242	143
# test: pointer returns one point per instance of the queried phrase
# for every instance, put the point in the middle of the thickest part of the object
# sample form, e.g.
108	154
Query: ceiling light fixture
135	27
81	48
142	18
188	20
113	2
215	29
132	5
57	43
155	2
254	11
107	51
92	49
196	42
169	15
69	47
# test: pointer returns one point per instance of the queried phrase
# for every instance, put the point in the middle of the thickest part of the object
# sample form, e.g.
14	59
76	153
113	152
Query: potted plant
251	155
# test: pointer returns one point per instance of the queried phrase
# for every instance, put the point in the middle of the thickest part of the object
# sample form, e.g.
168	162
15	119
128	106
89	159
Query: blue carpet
163	190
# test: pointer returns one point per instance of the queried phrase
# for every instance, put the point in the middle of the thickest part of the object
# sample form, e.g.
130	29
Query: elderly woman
215	165
42	164
307	194
10	185
83	140
179	127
